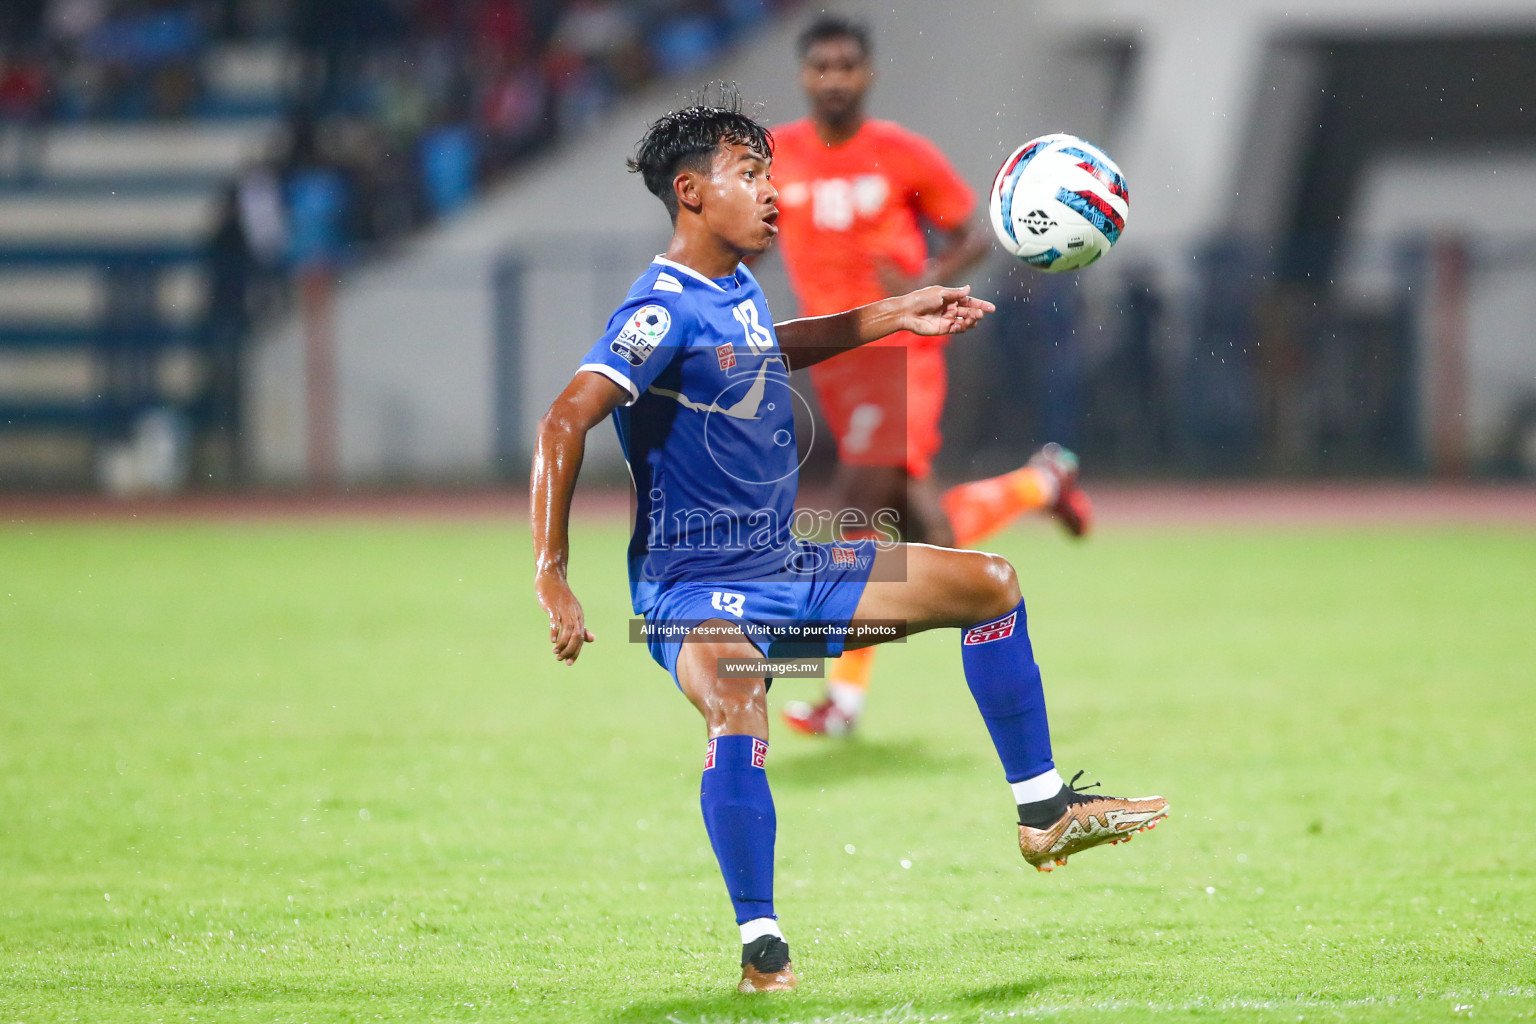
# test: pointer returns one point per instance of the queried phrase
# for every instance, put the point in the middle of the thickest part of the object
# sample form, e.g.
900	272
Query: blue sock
738	815
1001	672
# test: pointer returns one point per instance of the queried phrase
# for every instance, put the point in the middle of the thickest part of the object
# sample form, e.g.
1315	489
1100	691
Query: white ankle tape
1041	787
758	927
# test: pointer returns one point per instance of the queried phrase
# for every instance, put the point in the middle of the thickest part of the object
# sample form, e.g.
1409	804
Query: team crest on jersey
997	629
727	356
642	334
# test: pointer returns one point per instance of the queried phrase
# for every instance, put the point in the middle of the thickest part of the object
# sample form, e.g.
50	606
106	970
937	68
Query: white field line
1460	1003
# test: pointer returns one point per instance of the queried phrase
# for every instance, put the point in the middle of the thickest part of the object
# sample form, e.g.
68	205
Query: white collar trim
689	271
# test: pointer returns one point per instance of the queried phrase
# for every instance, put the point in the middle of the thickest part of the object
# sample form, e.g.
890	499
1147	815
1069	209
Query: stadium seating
141	144
104	238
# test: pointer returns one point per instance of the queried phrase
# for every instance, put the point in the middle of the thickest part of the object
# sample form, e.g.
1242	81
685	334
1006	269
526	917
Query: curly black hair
688	138
830	26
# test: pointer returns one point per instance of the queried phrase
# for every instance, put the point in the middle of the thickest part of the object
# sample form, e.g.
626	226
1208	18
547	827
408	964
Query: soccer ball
1058	203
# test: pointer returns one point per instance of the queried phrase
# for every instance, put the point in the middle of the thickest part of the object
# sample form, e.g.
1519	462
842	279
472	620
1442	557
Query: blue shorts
813	602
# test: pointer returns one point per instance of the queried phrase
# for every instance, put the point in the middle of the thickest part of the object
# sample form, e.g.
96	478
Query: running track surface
1117	504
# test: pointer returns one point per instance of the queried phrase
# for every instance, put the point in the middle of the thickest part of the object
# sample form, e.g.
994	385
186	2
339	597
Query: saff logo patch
709	756
759	753
642	334
997	629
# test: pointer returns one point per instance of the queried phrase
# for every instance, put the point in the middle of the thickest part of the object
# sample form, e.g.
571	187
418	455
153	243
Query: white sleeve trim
615	376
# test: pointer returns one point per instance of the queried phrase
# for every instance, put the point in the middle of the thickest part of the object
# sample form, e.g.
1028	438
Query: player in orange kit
854	196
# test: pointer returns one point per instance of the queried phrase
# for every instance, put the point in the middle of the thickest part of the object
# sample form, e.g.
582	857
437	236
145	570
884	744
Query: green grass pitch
327	771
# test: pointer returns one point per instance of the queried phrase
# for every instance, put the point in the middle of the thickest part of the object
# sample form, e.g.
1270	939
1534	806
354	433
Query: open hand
567	622
939	310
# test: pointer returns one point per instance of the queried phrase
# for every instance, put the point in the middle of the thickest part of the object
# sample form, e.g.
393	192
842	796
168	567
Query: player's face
740	202
835	74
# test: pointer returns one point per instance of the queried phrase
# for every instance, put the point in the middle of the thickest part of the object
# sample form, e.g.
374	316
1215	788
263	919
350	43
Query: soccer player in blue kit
695	375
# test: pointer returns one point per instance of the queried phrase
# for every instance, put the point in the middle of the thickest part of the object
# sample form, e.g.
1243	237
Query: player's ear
685	186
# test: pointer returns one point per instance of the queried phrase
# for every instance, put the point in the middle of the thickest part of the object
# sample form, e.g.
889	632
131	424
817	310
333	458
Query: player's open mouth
771	219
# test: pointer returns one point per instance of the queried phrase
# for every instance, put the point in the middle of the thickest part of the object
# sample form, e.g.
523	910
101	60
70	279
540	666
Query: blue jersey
708	431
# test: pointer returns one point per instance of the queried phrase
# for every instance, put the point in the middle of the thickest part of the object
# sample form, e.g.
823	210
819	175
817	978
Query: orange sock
848	680
852	669
848	675
982	507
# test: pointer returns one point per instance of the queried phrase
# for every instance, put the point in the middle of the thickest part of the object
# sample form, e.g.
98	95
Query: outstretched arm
929	311
557	454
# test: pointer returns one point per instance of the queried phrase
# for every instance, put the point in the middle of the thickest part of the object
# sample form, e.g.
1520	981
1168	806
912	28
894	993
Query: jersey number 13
758	338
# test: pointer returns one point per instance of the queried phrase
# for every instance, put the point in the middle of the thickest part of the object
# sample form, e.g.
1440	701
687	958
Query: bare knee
731	705
1000	592
736	706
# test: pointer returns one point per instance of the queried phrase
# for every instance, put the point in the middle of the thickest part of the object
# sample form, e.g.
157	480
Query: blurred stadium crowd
398	110
259	147
177	177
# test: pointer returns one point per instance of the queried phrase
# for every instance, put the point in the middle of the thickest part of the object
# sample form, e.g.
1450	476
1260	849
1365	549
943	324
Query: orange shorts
883	402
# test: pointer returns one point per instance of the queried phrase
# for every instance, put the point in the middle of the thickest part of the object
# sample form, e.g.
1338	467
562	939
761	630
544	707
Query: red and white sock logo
759	754
997	629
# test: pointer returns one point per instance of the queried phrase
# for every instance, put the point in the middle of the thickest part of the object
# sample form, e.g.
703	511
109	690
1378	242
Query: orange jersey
844	209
